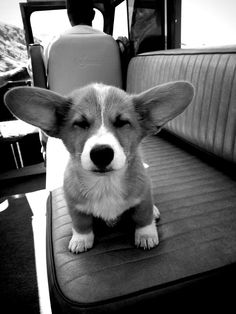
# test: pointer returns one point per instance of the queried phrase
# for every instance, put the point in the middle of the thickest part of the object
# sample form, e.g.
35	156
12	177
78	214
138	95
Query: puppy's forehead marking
102	93
101	132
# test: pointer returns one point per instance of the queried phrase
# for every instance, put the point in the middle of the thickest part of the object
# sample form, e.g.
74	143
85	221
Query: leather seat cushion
197	231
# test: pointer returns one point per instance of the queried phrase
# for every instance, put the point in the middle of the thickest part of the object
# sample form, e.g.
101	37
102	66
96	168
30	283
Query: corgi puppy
101	127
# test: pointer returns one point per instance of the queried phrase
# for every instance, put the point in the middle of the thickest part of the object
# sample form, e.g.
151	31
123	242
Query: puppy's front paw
156	213
81	242
146	237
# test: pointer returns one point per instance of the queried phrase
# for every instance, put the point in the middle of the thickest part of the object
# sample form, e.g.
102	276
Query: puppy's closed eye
120	122
82	123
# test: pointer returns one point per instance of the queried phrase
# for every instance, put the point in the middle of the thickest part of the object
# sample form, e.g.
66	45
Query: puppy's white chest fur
106	197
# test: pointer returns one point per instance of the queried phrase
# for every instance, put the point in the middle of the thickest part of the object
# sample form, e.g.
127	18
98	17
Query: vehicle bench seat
194	187
197	231
209	122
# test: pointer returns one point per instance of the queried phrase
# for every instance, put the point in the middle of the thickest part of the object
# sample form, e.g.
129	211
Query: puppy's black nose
102	156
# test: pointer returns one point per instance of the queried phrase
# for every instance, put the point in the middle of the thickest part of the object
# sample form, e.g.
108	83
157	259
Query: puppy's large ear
162	103
40	107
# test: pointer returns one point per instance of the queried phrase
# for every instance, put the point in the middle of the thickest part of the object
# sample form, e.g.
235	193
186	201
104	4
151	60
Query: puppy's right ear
162	103
40	107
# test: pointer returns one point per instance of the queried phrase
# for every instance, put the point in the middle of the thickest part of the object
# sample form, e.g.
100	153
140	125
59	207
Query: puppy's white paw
81	242
146	237
156	213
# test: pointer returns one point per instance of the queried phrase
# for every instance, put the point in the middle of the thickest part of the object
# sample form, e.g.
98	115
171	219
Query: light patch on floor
4	205
37	201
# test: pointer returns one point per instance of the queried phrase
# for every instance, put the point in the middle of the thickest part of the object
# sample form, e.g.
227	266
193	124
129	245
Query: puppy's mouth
102	171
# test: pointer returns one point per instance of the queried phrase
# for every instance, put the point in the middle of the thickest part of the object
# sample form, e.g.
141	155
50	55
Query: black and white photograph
118	156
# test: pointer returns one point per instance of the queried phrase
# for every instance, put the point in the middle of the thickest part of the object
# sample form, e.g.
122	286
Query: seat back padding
210	121
81	56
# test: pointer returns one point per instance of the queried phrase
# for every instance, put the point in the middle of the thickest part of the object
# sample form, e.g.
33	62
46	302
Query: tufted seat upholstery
210	121
195	190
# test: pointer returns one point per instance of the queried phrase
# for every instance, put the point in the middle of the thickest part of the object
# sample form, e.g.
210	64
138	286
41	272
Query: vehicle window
47	24
46	30
120	21
13	52
98	21
208	23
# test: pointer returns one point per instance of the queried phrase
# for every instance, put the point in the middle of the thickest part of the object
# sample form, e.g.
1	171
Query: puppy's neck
92	185
95	185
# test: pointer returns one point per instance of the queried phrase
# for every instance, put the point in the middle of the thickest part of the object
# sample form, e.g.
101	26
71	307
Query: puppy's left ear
40	107
162	103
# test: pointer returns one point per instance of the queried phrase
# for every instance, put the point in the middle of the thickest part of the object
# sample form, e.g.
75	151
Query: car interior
191	163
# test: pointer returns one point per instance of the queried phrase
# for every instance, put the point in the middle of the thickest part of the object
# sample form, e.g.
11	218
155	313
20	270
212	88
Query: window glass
120	21
13	52
47	24
208	23
98	21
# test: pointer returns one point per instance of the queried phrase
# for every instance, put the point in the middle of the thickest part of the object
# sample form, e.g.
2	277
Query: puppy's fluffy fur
101	127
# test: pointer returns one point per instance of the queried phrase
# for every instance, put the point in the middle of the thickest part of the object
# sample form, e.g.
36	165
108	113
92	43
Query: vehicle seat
80	56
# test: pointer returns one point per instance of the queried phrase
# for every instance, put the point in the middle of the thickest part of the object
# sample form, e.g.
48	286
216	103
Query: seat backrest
81	56
209	122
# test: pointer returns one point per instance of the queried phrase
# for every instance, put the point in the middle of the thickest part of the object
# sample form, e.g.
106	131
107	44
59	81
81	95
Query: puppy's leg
156	212
81	242
82	232
146	235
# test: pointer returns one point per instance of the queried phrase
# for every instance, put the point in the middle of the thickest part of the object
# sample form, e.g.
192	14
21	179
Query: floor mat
18	284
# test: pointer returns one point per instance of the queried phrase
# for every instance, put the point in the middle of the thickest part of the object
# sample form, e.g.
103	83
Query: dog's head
100	125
